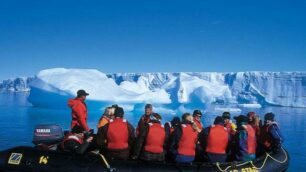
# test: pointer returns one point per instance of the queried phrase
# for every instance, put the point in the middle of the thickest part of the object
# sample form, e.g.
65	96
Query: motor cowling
48	134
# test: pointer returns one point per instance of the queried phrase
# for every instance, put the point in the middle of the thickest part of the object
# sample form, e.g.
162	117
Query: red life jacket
251	144
155	138
265	137
217	139
71	136
187	143
199	124
117	134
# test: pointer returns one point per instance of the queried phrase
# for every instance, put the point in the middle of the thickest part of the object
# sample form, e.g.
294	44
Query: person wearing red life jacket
79	111
116	137
170	127
214	140
183	145
245	137
107	116
151	142
255	122
145	119
270	136
76	142
197	115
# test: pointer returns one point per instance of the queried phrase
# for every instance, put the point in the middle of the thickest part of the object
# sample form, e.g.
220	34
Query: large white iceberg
52	87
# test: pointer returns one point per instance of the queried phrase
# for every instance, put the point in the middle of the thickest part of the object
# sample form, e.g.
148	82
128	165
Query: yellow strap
104	160
102	157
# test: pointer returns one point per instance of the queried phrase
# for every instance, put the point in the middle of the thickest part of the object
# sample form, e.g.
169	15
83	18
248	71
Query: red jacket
155	138
217	139
78	113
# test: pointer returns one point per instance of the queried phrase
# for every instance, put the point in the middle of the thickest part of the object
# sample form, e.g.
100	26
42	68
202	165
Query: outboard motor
47	136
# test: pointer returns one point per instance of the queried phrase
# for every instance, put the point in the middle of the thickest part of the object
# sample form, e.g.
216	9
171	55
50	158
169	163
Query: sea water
18	119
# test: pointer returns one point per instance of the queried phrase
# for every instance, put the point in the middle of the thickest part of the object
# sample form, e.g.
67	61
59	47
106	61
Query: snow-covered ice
52	87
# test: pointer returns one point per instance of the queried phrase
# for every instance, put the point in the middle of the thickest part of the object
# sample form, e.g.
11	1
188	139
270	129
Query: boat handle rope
251	162
104	161
274	159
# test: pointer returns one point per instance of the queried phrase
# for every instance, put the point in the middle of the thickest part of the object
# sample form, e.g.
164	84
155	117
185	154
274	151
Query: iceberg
179	90
51	89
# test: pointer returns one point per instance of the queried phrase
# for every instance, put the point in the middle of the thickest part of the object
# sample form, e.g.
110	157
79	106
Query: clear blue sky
152	36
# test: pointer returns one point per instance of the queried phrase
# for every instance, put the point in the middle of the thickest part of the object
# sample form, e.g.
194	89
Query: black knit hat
269	116
226	115
219	120
119	112
241	118
176	121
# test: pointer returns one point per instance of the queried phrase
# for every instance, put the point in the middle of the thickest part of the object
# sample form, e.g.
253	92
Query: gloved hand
134	157
89	139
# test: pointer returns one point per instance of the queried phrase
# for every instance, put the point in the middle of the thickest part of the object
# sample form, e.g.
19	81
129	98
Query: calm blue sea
18	118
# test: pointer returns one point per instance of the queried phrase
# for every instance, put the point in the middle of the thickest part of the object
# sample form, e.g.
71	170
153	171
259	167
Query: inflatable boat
25	158
32	159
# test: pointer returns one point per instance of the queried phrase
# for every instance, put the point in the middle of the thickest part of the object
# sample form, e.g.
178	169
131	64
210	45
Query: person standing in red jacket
79	111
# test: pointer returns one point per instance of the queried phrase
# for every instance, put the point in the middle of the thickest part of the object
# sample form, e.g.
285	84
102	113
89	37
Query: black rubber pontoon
31	159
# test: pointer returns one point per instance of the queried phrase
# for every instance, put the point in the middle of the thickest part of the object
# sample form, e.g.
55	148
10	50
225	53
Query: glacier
178	90
19	84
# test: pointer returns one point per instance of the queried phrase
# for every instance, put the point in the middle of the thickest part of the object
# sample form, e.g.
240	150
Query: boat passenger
151	141
255	122
231	127
183	145
215	141
145	119
116	137
76	141
245	140
170	127
270	135
197	115
106	117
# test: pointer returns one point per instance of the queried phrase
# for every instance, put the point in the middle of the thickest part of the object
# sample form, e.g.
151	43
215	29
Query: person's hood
73	102
155	121
271	123
243	125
